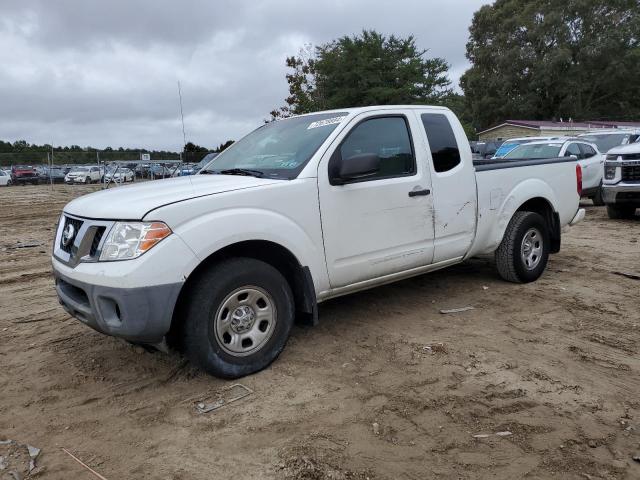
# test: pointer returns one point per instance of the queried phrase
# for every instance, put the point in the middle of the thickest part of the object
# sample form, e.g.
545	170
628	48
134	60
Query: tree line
535	60
21	152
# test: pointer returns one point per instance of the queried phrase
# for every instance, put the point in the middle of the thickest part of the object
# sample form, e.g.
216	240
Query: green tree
224	146
365	69
545	59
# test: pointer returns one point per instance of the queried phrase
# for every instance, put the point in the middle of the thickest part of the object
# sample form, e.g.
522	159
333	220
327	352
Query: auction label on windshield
328	121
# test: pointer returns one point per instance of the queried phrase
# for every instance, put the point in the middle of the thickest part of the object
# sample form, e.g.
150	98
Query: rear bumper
140	314
621	193
579	216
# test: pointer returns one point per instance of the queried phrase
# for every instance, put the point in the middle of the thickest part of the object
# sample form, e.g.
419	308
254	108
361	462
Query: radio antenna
184	135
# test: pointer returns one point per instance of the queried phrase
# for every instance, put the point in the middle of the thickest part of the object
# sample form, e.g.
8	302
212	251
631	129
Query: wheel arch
543	207
282	259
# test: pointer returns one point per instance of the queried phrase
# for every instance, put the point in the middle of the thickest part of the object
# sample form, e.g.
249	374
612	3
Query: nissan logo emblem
67	234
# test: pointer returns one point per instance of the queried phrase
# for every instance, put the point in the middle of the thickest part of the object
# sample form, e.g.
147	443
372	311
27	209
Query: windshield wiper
242	171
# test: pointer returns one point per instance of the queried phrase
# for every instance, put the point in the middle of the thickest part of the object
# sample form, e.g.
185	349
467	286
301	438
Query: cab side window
442	141
386	137
573	149
587	150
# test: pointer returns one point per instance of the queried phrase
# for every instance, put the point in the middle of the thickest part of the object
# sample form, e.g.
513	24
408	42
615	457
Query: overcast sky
105	72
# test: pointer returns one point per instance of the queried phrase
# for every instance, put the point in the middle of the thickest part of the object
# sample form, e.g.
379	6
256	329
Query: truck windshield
606	142
536	150
278	149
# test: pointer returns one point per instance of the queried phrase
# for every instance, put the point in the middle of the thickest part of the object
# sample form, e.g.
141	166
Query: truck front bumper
621	193
141	314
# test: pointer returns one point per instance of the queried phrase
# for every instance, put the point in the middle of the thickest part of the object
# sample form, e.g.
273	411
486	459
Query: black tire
202	344
597	198
620	212
509	255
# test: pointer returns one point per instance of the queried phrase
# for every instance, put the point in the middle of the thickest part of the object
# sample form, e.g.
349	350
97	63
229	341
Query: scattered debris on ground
457	310
17	460
223	397
87	467
632	276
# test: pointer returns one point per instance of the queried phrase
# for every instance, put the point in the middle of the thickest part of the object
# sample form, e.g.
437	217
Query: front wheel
618	212
524	251
238	317
597	198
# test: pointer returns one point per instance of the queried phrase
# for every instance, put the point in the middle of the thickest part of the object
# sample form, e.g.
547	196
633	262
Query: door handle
419	193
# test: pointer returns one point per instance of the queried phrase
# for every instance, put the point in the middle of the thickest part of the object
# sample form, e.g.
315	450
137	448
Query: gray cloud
105	73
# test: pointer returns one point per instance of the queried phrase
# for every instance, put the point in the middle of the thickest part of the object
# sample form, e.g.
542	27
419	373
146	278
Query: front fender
214	231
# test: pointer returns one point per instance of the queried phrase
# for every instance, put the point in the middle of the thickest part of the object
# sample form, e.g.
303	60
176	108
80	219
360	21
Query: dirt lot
555	363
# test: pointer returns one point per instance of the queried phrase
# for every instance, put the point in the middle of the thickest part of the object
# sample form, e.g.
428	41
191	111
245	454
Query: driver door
380	224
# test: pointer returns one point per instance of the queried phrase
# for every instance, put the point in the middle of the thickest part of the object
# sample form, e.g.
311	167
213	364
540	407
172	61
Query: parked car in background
205	160
299	211
5	179
486	149
606	140
119	175
84	175
512	143
161	170
587	154
142	170
23	174
186	169
53	174
621	184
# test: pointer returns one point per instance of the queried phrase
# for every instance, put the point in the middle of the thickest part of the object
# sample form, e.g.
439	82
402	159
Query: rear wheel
524	251
238	317
618	212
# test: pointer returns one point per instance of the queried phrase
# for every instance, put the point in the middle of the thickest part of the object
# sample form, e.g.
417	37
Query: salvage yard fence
144	165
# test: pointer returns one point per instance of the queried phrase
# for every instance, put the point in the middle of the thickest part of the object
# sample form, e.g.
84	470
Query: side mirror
353	168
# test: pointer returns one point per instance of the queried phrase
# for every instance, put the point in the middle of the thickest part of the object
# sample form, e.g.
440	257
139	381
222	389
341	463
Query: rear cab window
442	141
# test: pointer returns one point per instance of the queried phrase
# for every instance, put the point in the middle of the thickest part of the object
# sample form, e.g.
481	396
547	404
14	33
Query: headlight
609	172
128	240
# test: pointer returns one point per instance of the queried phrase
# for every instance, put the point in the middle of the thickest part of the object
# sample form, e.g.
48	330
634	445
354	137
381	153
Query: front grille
96	241
631	156
631	173
76	225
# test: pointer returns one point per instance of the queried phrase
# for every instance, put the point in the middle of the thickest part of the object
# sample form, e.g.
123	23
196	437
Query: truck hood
133	202
625	149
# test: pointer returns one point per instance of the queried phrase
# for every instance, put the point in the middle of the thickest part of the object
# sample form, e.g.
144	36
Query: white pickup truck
299	211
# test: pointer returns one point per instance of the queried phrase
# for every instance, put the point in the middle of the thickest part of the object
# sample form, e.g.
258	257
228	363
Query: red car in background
23	174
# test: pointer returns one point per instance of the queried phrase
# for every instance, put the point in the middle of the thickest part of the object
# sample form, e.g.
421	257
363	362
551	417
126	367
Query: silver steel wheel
531	248
245	321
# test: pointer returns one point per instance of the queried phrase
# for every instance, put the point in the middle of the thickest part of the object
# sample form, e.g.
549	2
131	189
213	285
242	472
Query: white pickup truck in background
299	211
621	189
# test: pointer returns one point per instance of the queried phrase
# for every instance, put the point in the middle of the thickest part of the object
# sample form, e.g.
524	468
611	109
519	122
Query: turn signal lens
127	240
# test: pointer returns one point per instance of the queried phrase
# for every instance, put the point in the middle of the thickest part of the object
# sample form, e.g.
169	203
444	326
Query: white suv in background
588	155
83	175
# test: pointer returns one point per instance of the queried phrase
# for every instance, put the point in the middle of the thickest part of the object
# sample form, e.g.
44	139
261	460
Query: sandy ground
555	363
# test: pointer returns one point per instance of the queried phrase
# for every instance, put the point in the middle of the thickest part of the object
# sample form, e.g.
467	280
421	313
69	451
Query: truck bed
501	184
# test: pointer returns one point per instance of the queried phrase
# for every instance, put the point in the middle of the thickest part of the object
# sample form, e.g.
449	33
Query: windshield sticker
328	121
